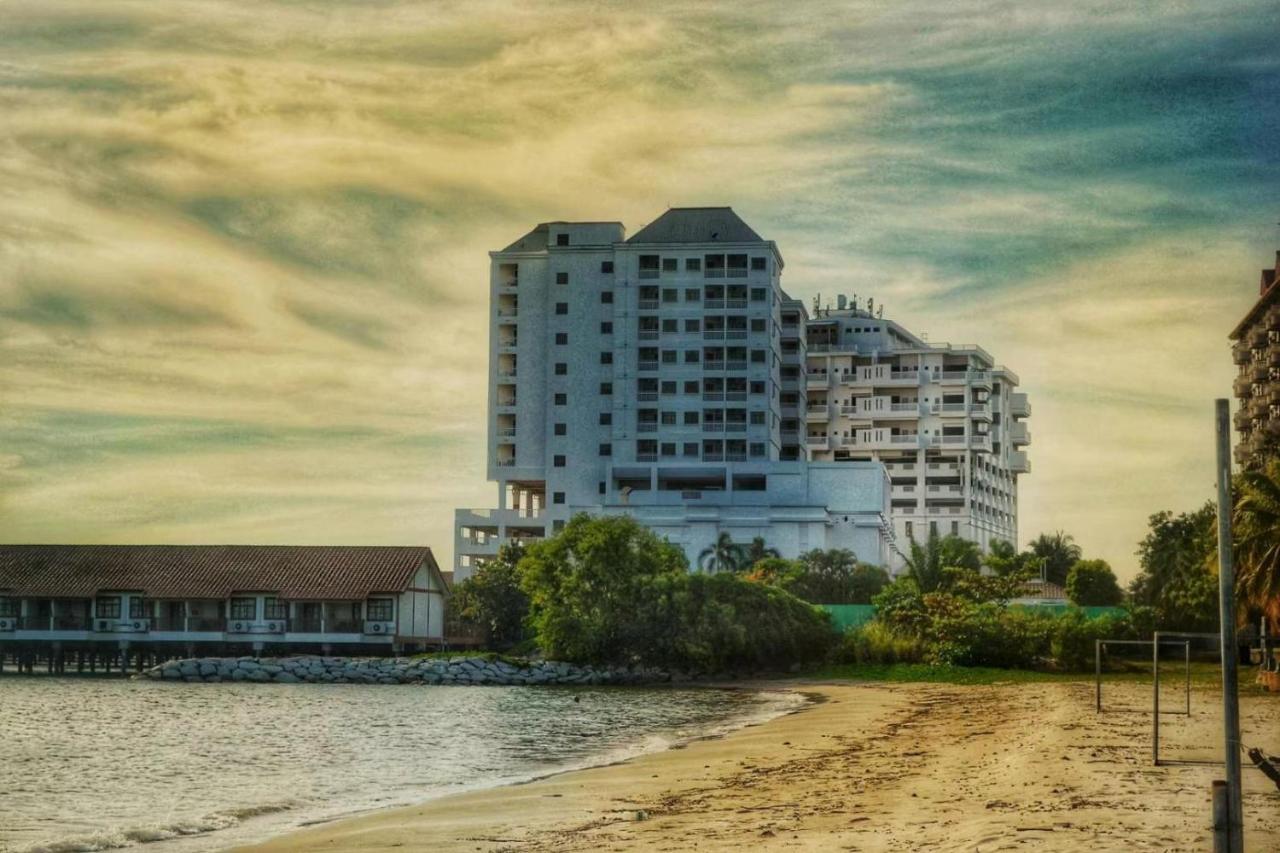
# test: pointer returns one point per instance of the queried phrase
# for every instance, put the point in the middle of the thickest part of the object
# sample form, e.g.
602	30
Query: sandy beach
871	767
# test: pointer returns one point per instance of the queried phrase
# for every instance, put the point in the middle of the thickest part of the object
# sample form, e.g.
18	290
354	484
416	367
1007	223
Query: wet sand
872	767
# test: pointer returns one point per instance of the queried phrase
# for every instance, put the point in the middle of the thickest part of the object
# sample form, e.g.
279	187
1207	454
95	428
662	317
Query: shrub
1075	634
875	642
492	602
1091	583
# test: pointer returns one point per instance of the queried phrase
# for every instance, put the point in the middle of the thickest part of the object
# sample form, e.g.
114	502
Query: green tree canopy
1092	583
1177	578
927	563
1256	527
1058	552
724	555
823	577
493	600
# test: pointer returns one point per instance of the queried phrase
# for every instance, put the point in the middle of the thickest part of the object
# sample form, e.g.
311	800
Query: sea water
99	764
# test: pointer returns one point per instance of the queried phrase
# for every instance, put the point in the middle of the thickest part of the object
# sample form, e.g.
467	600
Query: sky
243	245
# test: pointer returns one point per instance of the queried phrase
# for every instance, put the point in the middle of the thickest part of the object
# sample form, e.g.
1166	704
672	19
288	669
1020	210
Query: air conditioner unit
7	624
104	625
137	626
238	627
275	627
380	628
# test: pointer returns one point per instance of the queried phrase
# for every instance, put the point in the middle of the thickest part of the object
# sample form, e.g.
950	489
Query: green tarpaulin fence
846	616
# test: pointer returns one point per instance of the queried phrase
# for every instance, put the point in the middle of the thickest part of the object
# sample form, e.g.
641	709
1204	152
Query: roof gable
697	225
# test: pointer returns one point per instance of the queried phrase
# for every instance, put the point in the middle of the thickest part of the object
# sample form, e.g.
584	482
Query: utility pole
1227	629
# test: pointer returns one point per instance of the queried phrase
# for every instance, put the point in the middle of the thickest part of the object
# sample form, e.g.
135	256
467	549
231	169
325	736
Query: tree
1256	526
927	563
492	599
1092	583
833	577
597	590
1177	578
758	550
724	555
1003	558
1059	552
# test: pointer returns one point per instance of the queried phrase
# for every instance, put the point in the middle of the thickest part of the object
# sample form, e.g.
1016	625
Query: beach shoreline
862	767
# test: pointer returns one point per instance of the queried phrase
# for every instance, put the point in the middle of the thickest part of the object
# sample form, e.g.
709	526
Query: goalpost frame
1100	645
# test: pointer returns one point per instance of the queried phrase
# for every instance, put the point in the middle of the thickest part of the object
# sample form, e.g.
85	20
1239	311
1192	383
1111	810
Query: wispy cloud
242	245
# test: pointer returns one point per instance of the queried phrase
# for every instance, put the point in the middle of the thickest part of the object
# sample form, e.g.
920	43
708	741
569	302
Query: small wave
120	838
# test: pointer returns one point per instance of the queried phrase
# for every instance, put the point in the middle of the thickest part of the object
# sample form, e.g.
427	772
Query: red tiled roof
298	572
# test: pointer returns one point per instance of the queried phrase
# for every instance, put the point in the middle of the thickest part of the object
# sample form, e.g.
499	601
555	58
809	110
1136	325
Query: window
693	325
759	294
670	326
243	608
606	297
606	358
691	387
714	266
670	264
108	607
759	263
606	328
561	399
562	239
562	368
757	324
606	418
562	278
274	608
692	264
669	448
691	418
606	266
648	266
606	449
668	387
379	609
557	525
757	449
757	418
933	528
757	387
562	338
560	429
737	265
691	356
758	356
138	607
910	532
668	418
955	528
8	608
557	461
606	388
670	294
600	487
690	448
557	497
670	356
562	308
692	294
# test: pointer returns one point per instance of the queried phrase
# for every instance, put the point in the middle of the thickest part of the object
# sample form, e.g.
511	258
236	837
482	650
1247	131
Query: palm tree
1256	522
758	550
724	555
1059	552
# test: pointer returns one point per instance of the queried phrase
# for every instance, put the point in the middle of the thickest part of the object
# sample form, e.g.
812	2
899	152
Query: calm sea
104	764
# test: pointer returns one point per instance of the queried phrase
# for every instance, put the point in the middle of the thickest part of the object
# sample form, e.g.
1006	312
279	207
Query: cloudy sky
243	280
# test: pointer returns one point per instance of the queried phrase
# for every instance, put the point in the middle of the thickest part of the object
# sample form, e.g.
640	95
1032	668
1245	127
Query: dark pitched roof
697	225
534	241
323	572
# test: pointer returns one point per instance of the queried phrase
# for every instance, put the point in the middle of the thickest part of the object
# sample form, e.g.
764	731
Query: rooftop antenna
817	303
880	312
871	306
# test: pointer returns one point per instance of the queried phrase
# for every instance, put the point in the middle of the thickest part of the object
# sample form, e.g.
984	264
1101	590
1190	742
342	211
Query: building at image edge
668	376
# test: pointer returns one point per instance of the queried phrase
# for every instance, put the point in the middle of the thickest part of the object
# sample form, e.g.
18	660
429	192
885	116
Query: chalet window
8	608
737	266
759	263
139	608
243	608
693	325
670	264
648	266
274	608
759	294
107	607
380	610
693	264
606	266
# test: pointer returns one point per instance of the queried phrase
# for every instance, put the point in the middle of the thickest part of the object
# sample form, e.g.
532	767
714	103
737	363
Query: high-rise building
646	376
1256	352
945	420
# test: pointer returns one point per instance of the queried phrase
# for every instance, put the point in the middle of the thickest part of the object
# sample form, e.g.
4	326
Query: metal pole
1227	617
1221	818
1097	672
1186	652
1155	698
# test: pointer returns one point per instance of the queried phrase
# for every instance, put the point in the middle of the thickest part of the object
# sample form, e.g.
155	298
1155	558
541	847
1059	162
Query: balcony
505	463
1019	434
1019	406
508	312
950	409
1019	463
819	412
818	379
818	442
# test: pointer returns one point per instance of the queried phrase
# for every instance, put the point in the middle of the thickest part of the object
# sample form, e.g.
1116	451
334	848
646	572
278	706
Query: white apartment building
945	420
647	376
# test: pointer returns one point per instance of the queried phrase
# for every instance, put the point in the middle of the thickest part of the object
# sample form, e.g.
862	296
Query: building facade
1256	352
945	420
646	376
220	599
